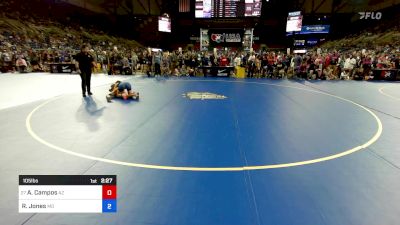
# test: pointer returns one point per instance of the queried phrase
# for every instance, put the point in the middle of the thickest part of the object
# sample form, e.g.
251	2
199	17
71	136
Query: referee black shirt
85	61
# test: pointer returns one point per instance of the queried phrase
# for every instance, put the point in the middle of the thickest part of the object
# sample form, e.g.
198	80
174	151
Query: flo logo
370	15
217	38
203	96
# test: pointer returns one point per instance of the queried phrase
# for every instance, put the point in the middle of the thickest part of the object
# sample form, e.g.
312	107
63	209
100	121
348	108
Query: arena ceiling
344	6
121	7
156	7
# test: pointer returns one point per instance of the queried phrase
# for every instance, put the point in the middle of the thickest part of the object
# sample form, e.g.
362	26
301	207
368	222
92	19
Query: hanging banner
315	29
312	41
204	39
226	37
299	43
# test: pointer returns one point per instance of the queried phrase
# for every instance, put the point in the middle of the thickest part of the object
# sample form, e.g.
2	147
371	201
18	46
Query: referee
84	62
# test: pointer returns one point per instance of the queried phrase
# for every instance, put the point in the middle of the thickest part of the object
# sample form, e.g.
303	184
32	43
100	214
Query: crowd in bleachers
32	45
316	64
321	64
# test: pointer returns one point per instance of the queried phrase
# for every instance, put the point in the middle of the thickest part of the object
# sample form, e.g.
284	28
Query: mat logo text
203	95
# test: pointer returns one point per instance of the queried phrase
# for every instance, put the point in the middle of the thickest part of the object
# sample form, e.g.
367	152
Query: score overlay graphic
67	194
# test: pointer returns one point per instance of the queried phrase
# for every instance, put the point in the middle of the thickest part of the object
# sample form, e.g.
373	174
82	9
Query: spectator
6	61
395	62
297	63
134	60
366	65
349	65
237	60
223	61
126	69
251	64
157	63
166	64
21	64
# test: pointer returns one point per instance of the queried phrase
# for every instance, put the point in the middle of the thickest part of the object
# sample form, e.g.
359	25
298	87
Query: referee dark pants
86	77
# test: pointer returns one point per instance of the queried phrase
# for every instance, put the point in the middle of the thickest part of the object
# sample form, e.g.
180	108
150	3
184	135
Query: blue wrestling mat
220	151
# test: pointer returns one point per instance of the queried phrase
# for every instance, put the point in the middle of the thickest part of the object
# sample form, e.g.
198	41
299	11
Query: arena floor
215	151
